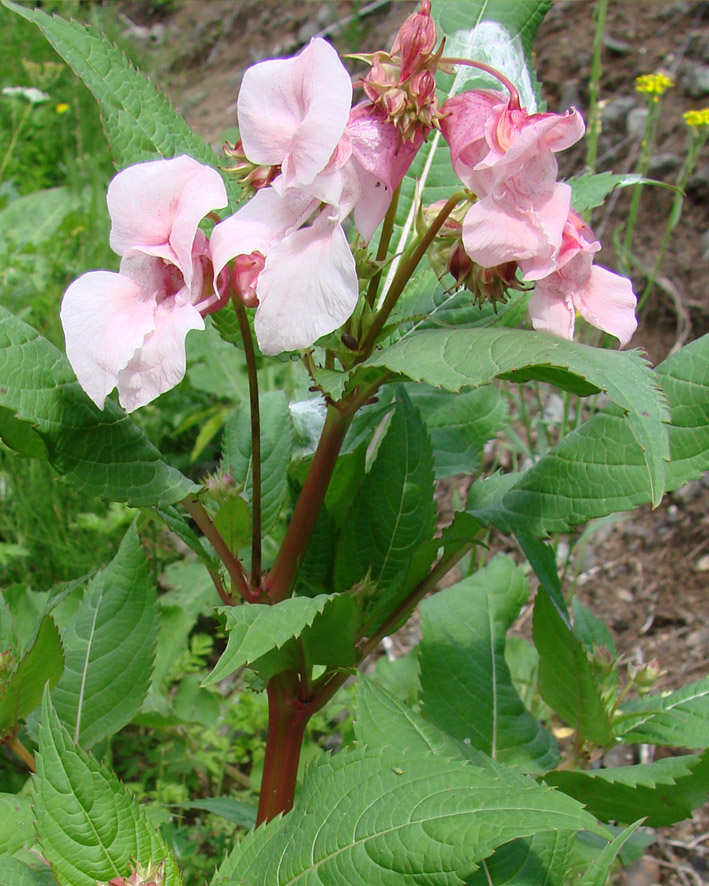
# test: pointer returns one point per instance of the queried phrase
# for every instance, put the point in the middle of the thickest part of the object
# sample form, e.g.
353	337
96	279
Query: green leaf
590	630
460	425
43	663
590	190
679	719
539	861
243	814
393	513
100	453
600	870
16	824
20	437
175	521
365	817
276	449
466	685
543	561
598	469
566	678
31	220
138	120
664	792
110	647
13	872
234	523
257	628
89	825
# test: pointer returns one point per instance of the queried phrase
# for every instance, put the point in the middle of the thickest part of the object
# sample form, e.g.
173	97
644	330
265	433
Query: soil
647	574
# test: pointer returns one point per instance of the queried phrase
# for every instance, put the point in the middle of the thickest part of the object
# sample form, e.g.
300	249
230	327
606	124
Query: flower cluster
311	162
697	119
653	85
523	216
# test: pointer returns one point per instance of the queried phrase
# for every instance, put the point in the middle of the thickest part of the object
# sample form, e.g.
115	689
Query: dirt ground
647	574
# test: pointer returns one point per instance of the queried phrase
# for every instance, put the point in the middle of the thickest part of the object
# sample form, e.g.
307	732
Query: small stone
625	595
554	410
702	564
696	80
635	121
698	638
662	164
618	47
690	491
672	514
615	111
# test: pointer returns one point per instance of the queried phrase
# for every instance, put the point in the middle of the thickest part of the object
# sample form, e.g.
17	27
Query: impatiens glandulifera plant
388	253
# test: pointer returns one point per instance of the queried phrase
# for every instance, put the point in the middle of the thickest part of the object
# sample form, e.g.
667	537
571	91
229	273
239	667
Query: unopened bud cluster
249	175
402	82
152	875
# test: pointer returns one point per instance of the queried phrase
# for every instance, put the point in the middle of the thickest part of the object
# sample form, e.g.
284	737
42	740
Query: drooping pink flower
292	259
127	330
604	299
506	157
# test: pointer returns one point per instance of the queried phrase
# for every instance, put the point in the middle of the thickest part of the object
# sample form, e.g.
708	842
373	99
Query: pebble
698	638
690	491
635	121
625	595
696	80
615	112
702	564
619	47
662	164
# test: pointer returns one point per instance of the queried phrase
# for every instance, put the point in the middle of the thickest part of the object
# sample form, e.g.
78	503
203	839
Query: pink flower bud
415	41
422	88
246	271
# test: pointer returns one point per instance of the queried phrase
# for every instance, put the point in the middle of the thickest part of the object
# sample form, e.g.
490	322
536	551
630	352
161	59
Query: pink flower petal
463	127
550	219
105	317
156	207
607	301
160	363
550	310
308	288
293	111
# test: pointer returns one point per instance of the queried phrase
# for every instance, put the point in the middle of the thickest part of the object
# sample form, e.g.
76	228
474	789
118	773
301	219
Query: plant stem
648	143
594	115
403	274
498	75
15	136
287	719
16	745
383	248
193	507
282	574
690	161
255	442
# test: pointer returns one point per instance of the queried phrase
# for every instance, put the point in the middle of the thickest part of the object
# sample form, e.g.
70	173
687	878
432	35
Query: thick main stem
255	443
282	574
287	719
16	745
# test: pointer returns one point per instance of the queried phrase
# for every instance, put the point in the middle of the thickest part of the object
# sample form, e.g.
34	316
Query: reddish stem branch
508	84
287	719
233	567
16	745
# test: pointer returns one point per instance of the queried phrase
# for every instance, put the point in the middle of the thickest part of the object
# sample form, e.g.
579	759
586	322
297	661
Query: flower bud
645	675
248	174
416	40
152	875
246	271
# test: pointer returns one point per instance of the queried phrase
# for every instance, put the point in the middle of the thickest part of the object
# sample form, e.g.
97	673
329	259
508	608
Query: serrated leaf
43	663
243	814
679	719
598	469
663	792
16	823
541	860
33	219
459	425
276	449
364	817
590	190
543	561
393	513
255	629
466	685
110	647
600	870
566	677
14	872
138	120
590	630
20	436
100	452
233	522
176	522
89	825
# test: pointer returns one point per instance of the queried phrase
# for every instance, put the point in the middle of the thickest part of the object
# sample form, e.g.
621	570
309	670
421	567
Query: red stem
287	719
508	84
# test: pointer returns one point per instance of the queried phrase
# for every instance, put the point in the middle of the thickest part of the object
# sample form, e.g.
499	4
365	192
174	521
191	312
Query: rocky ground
646	574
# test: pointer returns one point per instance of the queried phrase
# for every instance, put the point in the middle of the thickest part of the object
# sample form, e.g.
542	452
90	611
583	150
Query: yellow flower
62	108
653	84
697	119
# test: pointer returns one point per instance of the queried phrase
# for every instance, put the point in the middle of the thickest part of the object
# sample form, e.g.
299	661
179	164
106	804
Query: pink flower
506	157
128	330
292	258
604	299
